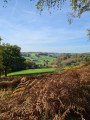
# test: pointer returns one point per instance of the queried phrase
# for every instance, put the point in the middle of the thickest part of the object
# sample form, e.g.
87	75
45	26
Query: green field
40	58
33	71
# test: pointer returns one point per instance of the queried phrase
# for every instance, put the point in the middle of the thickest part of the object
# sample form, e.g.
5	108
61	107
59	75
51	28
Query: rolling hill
39	57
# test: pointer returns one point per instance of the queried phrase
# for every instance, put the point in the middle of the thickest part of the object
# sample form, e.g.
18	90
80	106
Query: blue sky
22	24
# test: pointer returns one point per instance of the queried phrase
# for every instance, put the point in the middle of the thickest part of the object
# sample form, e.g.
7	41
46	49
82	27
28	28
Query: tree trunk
5	72
0	74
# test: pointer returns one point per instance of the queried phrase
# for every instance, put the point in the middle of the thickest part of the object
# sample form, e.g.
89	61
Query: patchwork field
40	58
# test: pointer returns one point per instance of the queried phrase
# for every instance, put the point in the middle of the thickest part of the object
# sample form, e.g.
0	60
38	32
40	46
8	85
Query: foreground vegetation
52	96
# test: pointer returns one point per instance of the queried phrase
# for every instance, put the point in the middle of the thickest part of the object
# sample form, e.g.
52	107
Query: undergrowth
53	96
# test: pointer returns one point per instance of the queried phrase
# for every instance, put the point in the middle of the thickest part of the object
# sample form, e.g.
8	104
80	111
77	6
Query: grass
27	57
33	71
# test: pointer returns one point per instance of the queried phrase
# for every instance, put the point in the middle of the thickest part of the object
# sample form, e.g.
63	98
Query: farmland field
39	59
33	71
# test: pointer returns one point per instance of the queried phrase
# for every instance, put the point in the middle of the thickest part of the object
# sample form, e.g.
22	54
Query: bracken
52	96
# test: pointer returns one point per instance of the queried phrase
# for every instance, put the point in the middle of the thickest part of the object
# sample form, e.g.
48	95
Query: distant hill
60	59
39	57
71	59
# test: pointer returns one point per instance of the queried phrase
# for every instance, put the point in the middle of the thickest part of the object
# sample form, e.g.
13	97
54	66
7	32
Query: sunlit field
33	71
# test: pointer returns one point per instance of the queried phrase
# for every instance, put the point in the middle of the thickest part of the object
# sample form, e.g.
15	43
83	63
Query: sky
22	24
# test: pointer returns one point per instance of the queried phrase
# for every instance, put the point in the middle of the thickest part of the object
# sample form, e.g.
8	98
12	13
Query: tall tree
12	57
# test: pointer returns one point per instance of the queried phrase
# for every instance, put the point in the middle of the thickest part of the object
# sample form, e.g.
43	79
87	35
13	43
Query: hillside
52	96
39	57
60	59
71	59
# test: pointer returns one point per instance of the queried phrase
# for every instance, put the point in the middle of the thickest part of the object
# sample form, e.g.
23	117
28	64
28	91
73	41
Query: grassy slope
33	71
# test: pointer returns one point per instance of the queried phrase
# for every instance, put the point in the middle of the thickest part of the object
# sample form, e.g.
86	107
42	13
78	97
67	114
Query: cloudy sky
22	24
